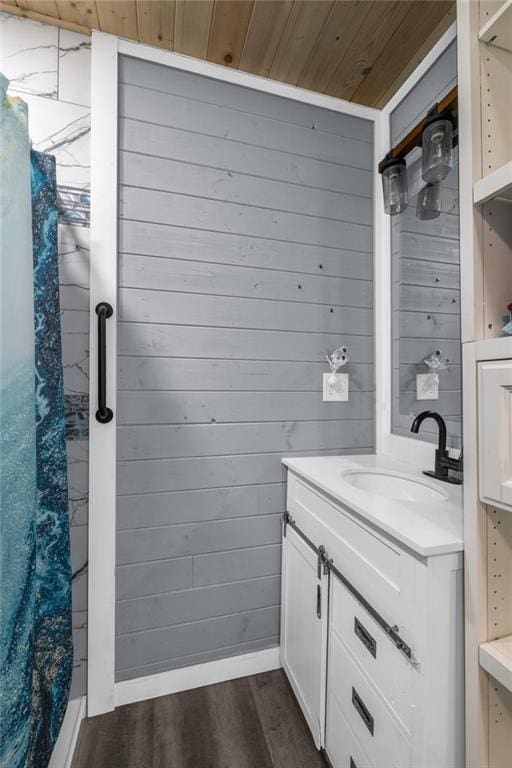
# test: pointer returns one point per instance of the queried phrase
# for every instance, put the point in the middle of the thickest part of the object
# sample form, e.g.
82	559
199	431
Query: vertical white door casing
102	437
304	629
103	281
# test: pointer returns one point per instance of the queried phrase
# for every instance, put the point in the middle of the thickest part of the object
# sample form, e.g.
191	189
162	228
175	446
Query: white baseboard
142	688
62	755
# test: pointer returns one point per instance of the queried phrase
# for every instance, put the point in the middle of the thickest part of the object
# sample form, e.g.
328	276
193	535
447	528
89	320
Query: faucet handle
456	465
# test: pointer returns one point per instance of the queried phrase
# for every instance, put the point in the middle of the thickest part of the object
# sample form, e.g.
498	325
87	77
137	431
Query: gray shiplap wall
435	83
245	256
426	275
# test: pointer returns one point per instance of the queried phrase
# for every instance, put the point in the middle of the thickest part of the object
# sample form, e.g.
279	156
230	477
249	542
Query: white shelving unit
484	42
496	659
494	349
498	30
496	186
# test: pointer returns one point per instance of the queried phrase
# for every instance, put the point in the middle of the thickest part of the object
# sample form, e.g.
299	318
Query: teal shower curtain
35	576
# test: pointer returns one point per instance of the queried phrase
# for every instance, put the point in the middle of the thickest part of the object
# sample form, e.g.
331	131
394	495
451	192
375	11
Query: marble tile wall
50	69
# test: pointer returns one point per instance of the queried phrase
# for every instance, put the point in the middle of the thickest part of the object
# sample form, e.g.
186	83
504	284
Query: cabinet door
495	428
304	629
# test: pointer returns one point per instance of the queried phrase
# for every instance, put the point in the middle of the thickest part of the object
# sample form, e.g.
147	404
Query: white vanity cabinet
372	638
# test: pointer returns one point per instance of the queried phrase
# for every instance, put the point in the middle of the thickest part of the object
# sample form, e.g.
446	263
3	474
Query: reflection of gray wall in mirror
426	277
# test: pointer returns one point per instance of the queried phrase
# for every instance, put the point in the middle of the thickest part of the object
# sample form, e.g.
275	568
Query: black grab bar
104	311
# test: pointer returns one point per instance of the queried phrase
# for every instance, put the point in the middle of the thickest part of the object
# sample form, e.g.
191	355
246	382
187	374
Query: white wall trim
382	290
62	755
103	693
102	437
236	77
416	452
197	676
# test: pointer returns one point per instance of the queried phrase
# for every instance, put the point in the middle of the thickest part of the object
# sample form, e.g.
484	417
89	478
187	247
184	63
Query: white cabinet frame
495	432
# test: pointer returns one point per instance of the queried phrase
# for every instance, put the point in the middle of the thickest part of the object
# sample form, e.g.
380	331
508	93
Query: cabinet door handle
365	637
362	710
352	762
319	601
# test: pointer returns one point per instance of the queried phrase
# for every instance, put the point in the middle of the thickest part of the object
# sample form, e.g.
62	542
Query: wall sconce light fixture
428	204
394	185
437	143
436	135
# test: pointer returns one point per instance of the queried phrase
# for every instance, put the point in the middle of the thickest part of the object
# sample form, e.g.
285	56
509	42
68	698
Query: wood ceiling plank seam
228	31
306	18
380	24
155	20
210	29
15	10
266	26
418	57
44	7
192	27
408	37
319	36
83	12
324	57
118	17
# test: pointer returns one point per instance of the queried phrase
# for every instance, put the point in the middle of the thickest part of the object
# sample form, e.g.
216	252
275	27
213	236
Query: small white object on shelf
497	184
498	30
496	659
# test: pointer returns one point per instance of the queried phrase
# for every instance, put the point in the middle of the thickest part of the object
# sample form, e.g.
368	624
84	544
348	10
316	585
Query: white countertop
428	528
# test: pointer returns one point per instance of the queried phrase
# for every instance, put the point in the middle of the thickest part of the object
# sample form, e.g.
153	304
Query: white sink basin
393	486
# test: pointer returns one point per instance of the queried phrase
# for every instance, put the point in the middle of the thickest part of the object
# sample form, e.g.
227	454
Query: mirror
426	311
426	277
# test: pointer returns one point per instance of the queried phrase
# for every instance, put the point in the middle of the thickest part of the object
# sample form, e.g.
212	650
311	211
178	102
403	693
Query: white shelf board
497	184
498	30
494	349
496	659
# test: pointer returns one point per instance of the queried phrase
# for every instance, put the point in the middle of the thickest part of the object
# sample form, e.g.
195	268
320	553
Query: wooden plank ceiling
360	50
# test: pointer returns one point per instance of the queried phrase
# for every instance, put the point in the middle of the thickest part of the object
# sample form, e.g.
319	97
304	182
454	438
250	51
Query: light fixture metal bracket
413	138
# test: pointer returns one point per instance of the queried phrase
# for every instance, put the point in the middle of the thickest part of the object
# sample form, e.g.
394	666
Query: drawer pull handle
367	640
352	762
362	710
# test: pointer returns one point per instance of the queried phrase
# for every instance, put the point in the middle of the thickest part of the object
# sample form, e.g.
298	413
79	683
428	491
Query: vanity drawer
391	673
366	713
382	572
342	747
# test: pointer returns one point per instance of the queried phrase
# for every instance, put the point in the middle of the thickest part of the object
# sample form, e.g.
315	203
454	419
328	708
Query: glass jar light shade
394	186
428	205
437	143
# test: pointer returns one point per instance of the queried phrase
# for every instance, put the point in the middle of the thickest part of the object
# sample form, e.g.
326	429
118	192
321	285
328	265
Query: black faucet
443	462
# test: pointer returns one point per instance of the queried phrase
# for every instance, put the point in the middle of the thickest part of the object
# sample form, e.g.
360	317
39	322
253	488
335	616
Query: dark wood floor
254	722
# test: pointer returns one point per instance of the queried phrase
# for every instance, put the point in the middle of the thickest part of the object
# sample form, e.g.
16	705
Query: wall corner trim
62	755
197	676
